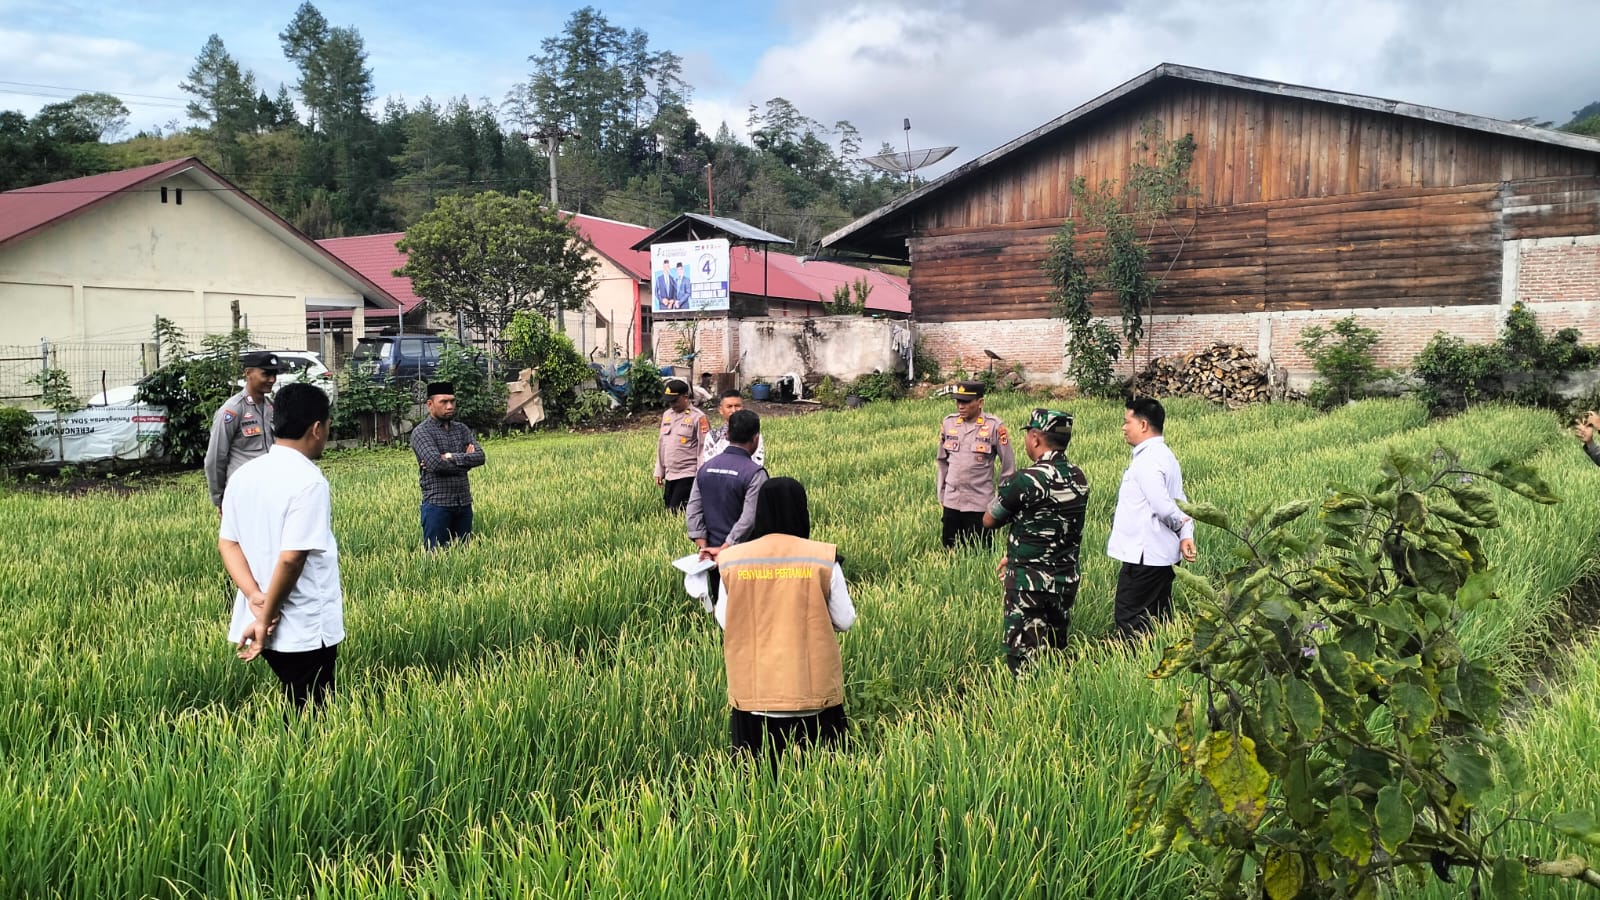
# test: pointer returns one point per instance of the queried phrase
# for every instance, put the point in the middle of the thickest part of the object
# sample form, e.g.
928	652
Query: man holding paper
722	503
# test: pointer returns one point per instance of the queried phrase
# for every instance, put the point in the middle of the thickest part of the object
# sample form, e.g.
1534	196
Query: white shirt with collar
1148	525
279	502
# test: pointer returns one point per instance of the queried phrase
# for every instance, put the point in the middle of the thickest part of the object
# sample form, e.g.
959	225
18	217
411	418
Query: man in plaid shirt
446	451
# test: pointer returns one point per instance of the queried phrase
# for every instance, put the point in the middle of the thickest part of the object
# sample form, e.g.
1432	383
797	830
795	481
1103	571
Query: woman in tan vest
783	597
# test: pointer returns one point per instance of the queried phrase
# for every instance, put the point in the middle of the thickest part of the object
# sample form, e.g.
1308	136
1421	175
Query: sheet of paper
692	564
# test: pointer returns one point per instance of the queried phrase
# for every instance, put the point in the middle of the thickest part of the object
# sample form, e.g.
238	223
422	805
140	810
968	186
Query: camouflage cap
1051	421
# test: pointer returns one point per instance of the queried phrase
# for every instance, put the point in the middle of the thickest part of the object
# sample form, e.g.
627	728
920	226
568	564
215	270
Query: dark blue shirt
722	503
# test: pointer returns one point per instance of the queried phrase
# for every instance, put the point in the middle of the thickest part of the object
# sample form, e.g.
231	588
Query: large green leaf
1349	826
1228	763
1480	693
1578	823
1509	879
1288	512
1298	785
1469	769
1478	587
1520	478
1414	705
1284	874
1395	817
1207	513
1305	709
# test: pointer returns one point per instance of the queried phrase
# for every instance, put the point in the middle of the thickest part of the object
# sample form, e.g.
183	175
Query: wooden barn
1309	205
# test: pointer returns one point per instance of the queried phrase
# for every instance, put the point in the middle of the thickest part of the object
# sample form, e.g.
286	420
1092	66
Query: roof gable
1168	73
27	211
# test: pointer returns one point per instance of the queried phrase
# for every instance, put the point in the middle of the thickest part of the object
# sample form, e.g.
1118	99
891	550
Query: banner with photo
689	276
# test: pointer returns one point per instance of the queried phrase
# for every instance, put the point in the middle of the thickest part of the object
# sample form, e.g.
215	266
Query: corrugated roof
684	228
26	210
784	278
376	257
1207	76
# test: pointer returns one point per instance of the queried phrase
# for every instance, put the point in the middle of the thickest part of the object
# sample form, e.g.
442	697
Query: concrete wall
840	346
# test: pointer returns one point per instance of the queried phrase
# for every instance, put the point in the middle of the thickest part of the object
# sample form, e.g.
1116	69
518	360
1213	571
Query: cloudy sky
972	73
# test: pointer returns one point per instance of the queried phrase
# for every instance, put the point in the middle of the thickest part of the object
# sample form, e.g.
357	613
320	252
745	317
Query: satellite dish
909	161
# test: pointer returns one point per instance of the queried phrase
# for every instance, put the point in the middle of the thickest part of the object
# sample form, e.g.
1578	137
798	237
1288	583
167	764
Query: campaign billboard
689	276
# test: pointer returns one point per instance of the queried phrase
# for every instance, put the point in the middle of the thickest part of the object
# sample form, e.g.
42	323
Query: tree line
613	107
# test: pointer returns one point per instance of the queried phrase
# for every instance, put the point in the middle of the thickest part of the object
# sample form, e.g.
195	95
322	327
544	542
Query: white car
293	365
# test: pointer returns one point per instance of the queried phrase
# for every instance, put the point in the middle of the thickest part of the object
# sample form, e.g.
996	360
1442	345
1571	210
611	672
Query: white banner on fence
100	432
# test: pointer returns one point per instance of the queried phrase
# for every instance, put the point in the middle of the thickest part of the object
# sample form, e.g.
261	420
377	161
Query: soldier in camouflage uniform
1045	506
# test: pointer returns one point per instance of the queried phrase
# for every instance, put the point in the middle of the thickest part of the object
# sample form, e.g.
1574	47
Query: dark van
402	357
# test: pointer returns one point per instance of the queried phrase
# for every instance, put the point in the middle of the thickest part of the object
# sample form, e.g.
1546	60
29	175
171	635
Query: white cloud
978	74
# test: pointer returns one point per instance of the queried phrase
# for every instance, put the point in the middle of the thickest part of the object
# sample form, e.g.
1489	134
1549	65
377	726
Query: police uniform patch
227	416
1004	437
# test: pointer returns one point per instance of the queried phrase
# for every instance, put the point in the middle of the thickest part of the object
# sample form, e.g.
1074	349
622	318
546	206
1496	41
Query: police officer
1045	505
241	429
683	434
969	444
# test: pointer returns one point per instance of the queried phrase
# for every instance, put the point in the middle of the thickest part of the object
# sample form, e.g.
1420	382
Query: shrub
1523	365
1342	356
1094	349
361	396
879	386
531	343
480	399
927	365
590	406
1339	737
193	389
829	395
16	444
645	385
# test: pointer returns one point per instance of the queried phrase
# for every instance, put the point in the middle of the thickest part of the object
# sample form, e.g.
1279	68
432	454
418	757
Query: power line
72	92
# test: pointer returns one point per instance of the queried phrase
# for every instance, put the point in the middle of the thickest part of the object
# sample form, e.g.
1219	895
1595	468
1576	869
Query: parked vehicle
293	365
401	357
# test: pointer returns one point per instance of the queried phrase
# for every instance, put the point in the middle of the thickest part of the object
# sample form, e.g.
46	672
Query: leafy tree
490	255
225	93
1339	739
192	387
103	115
1119	219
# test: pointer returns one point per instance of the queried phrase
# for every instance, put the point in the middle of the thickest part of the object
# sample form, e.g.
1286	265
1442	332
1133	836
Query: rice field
542	713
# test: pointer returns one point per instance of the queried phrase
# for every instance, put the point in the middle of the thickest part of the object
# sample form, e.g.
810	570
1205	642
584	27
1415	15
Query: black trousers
771	734
1144	596
675	493
307	676
965	528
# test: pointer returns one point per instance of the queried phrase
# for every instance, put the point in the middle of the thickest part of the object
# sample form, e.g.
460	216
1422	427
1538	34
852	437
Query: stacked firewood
1222	373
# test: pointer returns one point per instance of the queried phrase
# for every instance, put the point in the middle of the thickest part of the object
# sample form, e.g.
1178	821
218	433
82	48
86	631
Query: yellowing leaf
1285	874
1228	763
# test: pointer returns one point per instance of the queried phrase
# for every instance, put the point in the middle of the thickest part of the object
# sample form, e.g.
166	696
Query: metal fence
95	366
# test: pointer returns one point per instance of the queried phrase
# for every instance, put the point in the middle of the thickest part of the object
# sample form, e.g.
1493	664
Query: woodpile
1222	373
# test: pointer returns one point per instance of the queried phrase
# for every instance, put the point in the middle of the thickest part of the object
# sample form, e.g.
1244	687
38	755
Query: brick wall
1556	270
1035	343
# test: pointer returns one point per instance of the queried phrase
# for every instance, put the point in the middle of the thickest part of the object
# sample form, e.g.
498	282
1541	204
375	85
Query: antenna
910	161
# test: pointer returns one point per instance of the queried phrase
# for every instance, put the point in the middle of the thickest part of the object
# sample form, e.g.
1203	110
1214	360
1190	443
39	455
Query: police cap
675	387
260	359
968	390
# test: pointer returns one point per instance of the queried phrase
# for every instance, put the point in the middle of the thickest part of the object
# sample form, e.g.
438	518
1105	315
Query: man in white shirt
716	440
1149	533
277	544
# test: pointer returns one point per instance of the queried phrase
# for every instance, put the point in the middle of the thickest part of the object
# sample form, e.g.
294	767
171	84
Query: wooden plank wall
1299	205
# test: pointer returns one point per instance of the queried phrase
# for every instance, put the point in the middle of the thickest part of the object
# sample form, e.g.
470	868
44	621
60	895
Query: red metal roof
376	257
786	277
26	210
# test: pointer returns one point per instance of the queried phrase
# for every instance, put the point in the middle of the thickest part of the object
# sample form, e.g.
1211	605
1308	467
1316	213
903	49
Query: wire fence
96	366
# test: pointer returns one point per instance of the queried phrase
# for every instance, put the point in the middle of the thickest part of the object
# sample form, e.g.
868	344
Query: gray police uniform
241	430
